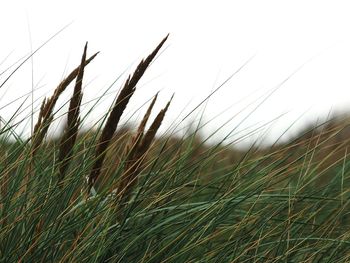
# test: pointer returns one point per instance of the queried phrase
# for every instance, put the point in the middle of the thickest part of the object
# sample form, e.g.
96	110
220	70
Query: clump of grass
168	199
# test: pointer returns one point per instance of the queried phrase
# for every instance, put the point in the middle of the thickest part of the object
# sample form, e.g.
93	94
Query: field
117	194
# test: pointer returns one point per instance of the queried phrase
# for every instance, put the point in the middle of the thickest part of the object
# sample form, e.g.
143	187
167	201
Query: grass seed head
71	131
117	111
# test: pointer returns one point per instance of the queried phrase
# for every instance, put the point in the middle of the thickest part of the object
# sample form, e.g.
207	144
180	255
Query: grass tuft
169	198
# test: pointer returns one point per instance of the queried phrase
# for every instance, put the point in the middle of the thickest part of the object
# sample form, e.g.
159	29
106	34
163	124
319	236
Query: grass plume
46	110
71	131
139	147
117	111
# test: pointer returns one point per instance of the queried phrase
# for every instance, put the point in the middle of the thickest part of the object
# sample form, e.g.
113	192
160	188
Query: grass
119	195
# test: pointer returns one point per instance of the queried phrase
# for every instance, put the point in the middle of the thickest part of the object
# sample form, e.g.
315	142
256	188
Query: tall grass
122	196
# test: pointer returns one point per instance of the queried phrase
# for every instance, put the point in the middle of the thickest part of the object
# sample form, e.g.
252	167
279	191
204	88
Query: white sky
209	40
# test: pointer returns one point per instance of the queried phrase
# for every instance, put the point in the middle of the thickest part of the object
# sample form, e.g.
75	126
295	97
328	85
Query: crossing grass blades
116	194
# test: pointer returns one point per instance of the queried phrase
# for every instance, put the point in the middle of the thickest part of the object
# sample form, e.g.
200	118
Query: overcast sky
302	48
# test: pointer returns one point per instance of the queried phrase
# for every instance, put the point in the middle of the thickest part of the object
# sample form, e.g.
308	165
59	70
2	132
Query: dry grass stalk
149	136
129	148
117	110
71	131
145	118
46	109
141	145
136	140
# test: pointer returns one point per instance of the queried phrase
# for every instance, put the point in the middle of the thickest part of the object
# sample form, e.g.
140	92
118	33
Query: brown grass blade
151	133
71	131
117	110
130	150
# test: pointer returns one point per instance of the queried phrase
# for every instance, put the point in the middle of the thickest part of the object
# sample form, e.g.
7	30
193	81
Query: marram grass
116	195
